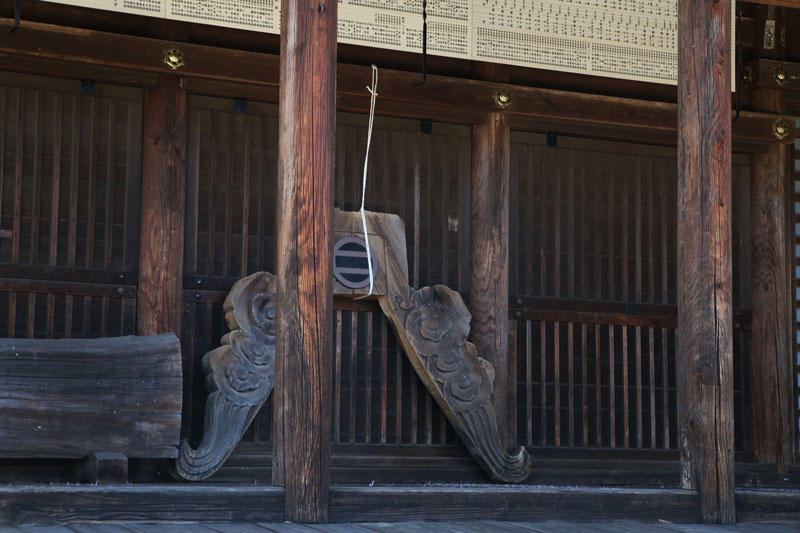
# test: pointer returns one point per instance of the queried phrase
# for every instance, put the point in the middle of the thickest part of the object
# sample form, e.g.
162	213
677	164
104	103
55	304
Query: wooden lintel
64	51
774	74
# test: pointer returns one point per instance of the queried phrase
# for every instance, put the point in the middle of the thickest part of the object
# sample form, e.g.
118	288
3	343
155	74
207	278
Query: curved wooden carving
239	375
432	324
436	321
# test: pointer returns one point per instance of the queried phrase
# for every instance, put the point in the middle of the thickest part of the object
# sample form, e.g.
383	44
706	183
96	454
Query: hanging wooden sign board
627	39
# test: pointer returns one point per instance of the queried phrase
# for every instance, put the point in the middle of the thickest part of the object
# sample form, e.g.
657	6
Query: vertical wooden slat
625	389
598	388
229	187
246	200
398	396
91	197
584	392
108	236
368	381
31	322
337	380
570	384
18	145
36	186
639	431
543	383
68	307
638	225
529	382
571	224
352	378
163	202
612	230
705	387
12	314
626	230
301	429
384	372
612	422
556	383
665	386
74	170
652	386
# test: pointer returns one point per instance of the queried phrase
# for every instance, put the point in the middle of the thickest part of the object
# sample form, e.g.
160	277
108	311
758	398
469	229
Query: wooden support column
489	230
771	356
158	300
705	347
302	396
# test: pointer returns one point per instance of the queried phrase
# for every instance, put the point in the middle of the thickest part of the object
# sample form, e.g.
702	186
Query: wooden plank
518	503
163	203
301	433
705	358
57	399
58	504
491	157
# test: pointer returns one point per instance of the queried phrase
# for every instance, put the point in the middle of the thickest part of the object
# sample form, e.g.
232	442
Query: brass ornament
780	128
781	76
174	58
502	99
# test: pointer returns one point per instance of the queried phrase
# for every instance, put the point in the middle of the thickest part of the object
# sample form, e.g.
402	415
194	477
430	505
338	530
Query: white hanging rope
373	92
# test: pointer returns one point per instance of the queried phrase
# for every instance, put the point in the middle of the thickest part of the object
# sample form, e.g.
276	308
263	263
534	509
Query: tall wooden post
771	356
489	230
705	347
158	304
302	394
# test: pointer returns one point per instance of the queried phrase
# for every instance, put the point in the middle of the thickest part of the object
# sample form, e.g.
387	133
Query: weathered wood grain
432	325
491	160
163	202
58	505
62	50
240	376
705	351
304	266
67	398
771	354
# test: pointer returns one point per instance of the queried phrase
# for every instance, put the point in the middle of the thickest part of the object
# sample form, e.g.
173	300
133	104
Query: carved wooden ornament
240	375
432	324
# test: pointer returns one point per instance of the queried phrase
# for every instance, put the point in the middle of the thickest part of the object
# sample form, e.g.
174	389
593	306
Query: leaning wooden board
66	398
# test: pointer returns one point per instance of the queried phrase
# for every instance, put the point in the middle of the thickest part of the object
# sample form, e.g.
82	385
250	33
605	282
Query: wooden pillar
771	355
302	394
489	230
158	304
705	347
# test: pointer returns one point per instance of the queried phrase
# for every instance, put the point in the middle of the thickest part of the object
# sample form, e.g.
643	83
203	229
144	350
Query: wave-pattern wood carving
431	323
239	376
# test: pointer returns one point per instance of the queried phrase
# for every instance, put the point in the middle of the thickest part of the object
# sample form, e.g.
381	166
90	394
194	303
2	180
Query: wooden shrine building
619	335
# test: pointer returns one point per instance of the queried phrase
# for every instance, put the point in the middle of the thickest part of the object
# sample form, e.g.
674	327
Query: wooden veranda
628	251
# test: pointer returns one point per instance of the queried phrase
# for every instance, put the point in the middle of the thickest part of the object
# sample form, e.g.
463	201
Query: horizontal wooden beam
78	53
781	3
47	505
774	74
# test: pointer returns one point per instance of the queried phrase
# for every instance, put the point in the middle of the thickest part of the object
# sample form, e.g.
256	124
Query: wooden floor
484	526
